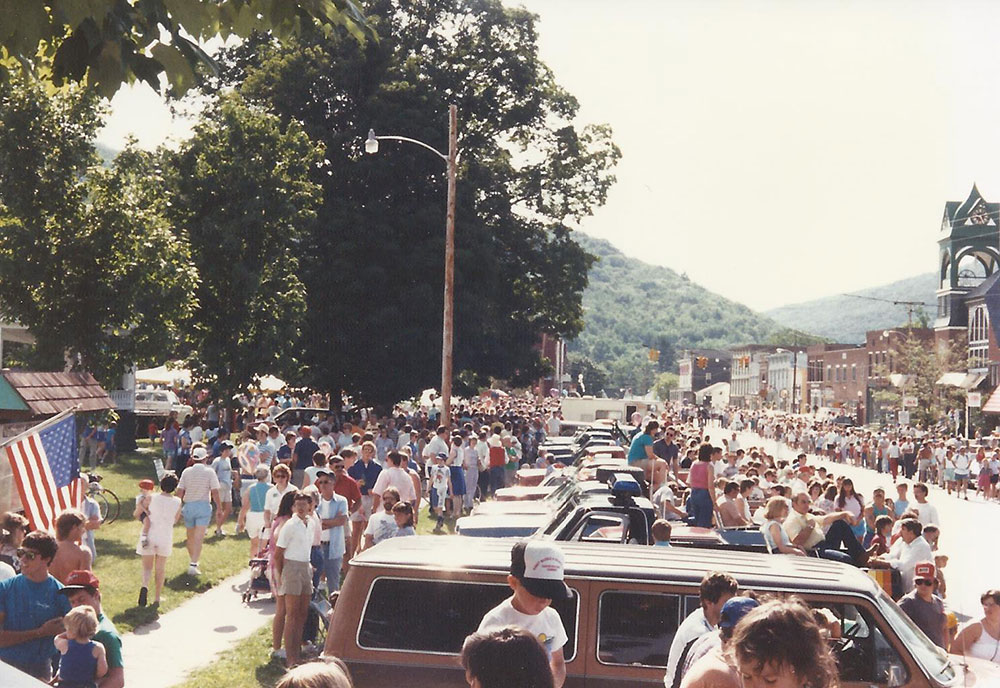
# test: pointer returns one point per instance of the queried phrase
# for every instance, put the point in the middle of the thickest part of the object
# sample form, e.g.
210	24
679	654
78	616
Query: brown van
408	604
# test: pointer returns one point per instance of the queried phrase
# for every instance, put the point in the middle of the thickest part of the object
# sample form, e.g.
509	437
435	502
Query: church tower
969	252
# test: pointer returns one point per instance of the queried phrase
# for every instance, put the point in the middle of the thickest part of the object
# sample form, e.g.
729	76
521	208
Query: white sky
776	151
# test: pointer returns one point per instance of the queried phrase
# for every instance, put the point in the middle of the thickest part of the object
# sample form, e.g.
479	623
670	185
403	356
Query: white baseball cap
540	566
199	454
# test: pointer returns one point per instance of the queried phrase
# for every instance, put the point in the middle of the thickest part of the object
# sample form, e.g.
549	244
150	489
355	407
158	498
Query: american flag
46	470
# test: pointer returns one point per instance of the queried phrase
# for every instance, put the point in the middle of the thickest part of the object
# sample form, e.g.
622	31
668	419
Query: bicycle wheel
102	503
114	506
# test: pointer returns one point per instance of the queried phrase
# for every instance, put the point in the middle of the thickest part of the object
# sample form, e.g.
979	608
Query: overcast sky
773	151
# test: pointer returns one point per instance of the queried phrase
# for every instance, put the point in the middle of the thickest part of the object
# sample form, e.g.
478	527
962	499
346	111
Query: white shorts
160	548
364	512
254	523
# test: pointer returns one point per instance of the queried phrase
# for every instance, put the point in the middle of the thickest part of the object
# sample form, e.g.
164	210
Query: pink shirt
398	478
698	475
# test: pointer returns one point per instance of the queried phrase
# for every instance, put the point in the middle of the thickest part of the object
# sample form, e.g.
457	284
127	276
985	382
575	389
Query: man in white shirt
332	512
715	590
909	550
394	475
926	512
198	487
553	425
437	445
293	572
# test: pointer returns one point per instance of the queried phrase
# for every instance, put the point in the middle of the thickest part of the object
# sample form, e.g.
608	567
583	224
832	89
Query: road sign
974	399
909	402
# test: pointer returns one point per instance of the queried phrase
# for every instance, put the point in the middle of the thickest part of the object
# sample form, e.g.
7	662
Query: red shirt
347	487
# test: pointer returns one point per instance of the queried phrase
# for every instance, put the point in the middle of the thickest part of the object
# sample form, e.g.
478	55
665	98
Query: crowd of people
312	495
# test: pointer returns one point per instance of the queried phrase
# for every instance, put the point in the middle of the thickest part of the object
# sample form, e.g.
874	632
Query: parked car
626	606
299	416
160	402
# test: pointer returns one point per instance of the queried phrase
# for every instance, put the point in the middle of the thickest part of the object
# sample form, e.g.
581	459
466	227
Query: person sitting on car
806	531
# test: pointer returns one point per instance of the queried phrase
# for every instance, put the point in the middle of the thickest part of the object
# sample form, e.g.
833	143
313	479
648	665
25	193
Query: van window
601	527
436	616
863	652
636	628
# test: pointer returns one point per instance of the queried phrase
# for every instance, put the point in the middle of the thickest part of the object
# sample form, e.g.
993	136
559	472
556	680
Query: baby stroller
259	583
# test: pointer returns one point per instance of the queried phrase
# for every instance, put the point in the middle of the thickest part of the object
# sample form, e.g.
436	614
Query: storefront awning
962	380
993	404
900	380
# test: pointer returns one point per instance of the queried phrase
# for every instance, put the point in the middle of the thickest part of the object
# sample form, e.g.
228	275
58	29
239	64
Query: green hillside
846	319
631	306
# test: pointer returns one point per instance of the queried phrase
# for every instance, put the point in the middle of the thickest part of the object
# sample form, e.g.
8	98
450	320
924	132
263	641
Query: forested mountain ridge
631	306
846	319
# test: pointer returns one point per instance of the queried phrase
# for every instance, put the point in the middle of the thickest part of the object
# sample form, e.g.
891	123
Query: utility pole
448	326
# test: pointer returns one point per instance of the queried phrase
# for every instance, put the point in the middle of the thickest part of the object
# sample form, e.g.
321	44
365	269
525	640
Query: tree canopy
110	42
88	261
373	263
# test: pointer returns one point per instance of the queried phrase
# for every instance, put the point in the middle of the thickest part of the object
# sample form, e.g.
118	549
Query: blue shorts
197	514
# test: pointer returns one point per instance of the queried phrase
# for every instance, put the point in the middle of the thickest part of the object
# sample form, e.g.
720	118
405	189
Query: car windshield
556	497
931	658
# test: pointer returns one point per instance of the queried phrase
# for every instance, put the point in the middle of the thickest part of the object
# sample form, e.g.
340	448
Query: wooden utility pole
447	336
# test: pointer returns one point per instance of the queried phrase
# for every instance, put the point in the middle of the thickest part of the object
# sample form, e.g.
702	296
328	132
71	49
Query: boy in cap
704	663
924	607
536	577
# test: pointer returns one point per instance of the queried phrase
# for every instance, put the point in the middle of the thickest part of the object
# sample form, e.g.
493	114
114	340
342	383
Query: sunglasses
923	581
27	554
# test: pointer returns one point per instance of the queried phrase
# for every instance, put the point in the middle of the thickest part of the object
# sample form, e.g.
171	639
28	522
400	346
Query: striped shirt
198	481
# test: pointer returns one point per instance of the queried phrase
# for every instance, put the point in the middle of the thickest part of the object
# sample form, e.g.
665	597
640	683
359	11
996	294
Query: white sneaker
193	570
278	654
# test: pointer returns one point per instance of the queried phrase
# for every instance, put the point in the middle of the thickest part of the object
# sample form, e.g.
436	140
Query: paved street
967	527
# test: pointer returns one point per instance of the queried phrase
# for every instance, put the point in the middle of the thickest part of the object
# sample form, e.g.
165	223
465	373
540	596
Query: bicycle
107	500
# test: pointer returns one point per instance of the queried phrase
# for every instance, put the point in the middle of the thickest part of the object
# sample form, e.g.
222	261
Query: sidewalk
165	651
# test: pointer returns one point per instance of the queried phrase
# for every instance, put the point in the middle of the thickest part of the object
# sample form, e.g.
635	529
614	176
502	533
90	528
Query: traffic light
702	362
654	355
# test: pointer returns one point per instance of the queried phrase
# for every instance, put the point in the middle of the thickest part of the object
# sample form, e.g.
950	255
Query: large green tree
241	193
111	42
87	261
373	267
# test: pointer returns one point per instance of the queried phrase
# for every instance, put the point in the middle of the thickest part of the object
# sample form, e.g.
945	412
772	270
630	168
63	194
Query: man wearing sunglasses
924	607
31	609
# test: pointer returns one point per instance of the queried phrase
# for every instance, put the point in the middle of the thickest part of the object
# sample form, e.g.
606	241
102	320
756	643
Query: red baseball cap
81	580
924	571
146	484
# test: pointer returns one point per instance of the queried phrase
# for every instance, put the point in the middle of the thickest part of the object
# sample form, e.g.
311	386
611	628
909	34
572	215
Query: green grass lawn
248	663
120	568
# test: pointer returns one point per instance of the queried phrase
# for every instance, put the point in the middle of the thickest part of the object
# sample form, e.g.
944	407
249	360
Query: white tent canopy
162	375
270	383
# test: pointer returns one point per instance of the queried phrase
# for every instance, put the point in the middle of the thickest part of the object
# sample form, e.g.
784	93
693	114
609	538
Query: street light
447	334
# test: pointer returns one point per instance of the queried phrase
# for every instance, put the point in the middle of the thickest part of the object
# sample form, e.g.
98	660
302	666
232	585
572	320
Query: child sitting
661	532
82	660
880	541
403	513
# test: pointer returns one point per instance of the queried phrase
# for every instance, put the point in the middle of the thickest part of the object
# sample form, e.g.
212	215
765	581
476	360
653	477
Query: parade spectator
198	488
366	473
439	479
223	467
328	673
729	508
170	441
293	573
715	590
164	512
70	527
81	659
282	514
393	475
535	587
303	453
31	609
708	663
854	504
92	513
701	477
981	638
402	513
251	516
878	507
282	476
333	514
924	608
506	657
14	527
775	537
927	513
807	531
83	588
346	487
470	466
661	533
382	525
320	463
498	459
908	551
779	644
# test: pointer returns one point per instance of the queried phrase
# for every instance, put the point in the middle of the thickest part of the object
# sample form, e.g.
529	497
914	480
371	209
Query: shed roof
46	394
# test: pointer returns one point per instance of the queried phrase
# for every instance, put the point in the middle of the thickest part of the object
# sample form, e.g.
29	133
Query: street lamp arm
432	149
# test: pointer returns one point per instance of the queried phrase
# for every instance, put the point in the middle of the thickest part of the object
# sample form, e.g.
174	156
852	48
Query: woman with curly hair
780	645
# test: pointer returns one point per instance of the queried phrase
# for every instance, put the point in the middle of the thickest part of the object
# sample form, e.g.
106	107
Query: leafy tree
111	42
374	264
922	365
242	196
88	261
665	382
